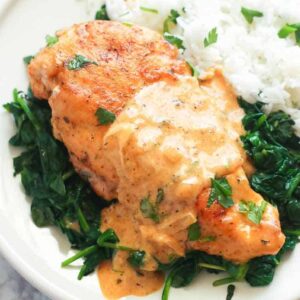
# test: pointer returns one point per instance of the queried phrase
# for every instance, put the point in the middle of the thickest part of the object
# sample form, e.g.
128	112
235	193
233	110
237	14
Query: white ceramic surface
37	253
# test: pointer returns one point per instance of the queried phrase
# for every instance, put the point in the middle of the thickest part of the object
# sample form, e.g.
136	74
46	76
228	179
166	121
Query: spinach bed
61	198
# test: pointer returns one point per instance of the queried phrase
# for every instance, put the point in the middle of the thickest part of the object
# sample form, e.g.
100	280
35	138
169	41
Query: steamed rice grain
259	64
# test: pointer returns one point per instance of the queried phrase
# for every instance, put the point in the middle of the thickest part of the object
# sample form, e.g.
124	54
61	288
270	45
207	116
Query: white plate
37	253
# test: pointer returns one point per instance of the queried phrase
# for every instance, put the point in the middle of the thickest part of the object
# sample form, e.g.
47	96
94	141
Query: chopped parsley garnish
211	38
289	29
149	210
208	238
160	196
250	14
51	40
128	24
79	62
28	59
136	259
220	191
101	14
104	116
171	19
254	212
149	10
195	71
194	232
174	40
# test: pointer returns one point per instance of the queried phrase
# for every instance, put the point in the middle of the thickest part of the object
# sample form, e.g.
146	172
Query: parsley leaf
220	191
171	19
195	71
254	212
28	59
160	196
289	29
174	40
149	10
104	116
136	258
211	38
51	40
208	238
101	14
194	232
149	210
79	62
250	14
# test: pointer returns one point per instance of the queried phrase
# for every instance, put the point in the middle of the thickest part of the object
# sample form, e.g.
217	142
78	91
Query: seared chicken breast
171	136
125	60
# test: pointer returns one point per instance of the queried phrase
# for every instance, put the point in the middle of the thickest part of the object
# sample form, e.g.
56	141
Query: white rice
259	64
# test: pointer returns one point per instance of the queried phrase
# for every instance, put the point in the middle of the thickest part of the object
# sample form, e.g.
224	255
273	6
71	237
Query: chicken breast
170	138
231	233
125	60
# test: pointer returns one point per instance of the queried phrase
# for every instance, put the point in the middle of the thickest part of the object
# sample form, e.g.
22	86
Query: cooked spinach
230	291
274	148
59	196
136	258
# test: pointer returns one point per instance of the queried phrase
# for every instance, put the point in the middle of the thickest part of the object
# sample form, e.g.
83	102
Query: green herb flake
28	59
104	116
160	196
289	29
136	259
149	10
194	232
174	40
128	24
171	19
149	210
208	238
79	62
220	191
195	71
51	40
101	14
254	212
211	38
250	14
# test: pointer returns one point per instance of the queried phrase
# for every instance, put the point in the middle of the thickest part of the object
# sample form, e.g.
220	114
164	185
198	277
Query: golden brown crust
128	58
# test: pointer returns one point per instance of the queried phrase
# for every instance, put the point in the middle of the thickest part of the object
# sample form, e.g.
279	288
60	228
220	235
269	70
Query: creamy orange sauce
176	136
116	284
